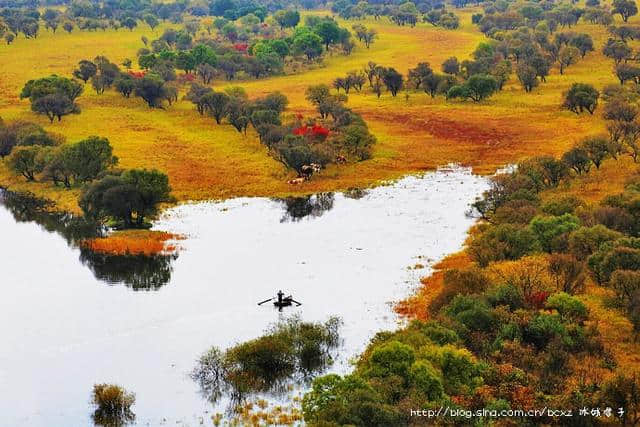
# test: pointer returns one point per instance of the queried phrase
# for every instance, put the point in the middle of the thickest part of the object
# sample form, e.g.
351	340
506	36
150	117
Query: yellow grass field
207	161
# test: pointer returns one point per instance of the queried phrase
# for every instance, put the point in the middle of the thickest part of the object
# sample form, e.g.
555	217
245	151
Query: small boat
282	301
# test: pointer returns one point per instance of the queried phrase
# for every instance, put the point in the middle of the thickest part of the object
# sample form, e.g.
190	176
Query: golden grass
206	161
134	242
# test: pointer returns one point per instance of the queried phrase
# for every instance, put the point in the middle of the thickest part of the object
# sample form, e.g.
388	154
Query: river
69	320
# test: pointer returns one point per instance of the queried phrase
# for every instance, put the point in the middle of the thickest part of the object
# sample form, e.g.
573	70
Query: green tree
308	43
125	84
152	187
89	158
55	106
477	88
552	231
216	104
626	8
581	97
23	160
597	149
287	18
393	80
528	76
86	69
151	88
129	23
150	20
328	31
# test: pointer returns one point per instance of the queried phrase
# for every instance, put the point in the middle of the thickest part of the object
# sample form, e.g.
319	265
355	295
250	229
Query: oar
299	303
267	300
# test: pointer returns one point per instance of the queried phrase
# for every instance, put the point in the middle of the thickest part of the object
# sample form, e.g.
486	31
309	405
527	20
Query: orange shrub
135	242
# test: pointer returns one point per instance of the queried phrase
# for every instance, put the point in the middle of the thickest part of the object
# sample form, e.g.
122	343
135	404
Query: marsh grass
113	405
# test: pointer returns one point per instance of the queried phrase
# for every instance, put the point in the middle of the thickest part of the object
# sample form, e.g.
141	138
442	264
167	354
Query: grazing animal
341	159
296	181
316	167
306	171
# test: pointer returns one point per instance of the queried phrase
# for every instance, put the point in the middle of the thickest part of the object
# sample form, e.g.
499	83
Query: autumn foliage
137	74
314	130
136	242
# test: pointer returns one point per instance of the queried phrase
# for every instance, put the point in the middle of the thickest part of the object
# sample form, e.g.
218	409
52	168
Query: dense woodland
513	327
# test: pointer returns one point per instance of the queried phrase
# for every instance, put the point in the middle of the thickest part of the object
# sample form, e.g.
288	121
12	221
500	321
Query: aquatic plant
289	351
113	405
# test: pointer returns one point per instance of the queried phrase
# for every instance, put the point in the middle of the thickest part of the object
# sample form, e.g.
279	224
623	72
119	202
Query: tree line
126	196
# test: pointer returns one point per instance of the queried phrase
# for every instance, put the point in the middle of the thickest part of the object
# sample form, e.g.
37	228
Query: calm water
69	319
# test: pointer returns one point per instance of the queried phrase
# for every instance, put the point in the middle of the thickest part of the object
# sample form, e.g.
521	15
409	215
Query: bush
586	240
503	242
287	348
569	308
542	329
391	358
507	295
559	206
427	380
551	232
113	404
472	312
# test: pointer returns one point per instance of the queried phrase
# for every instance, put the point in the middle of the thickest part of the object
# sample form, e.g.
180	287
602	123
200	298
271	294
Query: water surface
69	319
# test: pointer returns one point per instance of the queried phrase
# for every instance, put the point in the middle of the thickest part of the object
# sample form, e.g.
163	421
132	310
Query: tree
567	56
626	8
206	72
8	140
51	17
150	20
625	72
317	94
89	158
393	80
54	106
477	88
129	23
151	88
68	27
86	69
328	31
53	84
567	272
597	149
125	84
294	153
451	66
287	18
309	44
216	104
152	187
369	37
528	76
432	83
23	160
617	50
418	74
583	42
239	112
581	97
577	159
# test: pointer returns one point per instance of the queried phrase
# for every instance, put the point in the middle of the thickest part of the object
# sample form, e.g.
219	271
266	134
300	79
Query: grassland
206	161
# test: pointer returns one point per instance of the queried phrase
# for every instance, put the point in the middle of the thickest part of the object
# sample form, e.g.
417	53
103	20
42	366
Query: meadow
207	161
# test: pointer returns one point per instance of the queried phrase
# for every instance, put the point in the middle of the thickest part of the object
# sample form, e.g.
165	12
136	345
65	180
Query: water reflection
104	418
26	207
313	206
140	272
